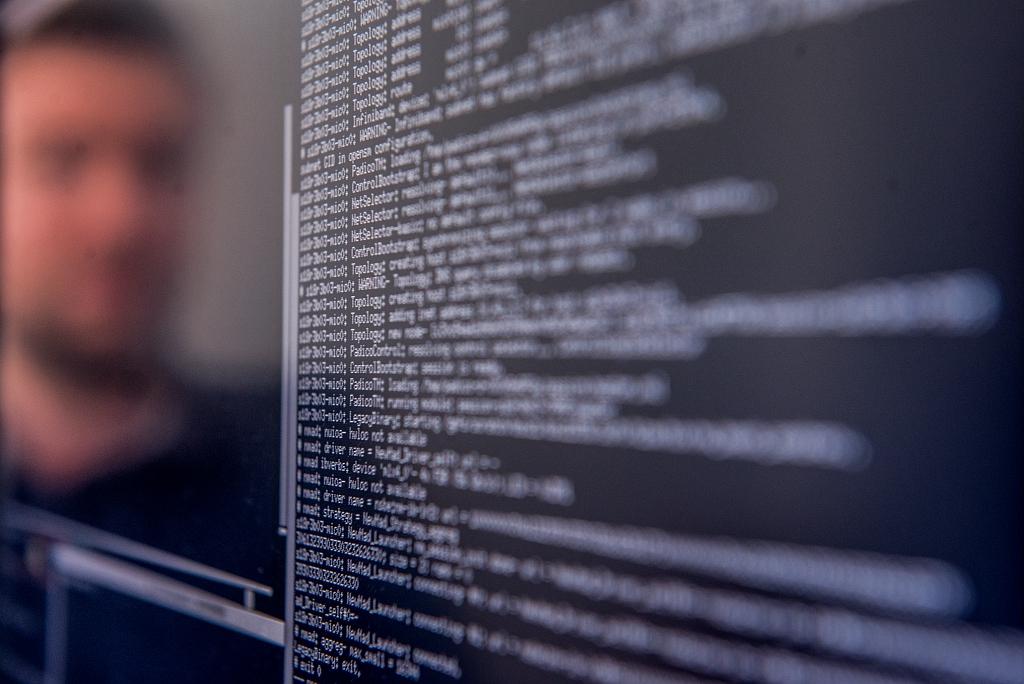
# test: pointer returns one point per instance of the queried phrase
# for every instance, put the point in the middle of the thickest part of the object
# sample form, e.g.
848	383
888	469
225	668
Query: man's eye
61	163
163	166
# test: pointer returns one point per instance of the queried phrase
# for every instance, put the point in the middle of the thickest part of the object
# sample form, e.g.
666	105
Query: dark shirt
211	497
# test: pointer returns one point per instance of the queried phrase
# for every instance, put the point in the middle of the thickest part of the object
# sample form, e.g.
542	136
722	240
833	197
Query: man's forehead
85	85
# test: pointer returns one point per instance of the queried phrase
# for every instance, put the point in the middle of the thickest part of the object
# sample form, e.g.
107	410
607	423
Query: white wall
228	323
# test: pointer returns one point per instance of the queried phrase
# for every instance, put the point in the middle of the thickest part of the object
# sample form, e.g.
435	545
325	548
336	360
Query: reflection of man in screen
99	115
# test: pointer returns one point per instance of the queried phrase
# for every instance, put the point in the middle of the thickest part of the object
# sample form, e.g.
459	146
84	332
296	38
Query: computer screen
639	341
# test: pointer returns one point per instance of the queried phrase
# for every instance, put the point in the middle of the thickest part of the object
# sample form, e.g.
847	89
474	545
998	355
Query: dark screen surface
658	342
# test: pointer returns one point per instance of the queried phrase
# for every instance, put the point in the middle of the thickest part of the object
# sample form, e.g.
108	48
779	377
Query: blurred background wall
227	326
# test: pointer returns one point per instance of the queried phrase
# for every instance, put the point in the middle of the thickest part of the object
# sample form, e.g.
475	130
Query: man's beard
66	357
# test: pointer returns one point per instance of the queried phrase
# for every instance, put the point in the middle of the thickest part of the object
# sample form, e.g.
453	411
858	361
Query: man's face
94	142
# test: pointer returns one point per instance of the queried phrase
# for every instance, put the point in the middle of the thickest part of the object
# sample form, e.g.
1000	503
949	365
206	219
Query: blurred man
99	113
97	127
99	120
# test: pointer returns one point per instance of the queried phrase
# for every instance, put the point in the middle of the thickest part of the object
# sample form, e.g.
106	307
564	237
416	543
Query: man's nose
116	204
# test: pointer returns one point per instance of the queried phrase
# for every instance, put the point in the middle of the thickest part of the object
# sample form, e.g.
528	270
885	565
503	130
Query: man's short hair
134	24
